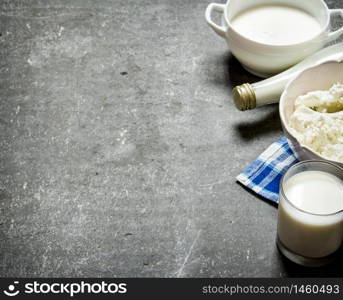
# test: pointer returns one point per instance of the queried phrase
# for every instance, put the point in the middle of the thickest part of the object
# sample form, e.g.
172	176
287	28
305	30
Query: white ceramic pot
320	77
267	59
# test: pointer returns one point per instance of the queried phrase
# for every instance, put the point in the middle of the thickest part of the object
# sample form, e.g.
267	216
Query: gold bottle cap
244	97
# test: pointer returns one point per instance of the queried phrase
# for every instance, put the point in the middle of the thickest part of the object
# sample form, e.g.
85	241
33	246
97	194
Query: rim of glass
306	162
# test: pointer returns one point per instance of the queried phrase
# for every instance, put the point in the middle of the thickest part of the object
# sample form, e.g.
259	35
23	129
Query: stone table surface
120	143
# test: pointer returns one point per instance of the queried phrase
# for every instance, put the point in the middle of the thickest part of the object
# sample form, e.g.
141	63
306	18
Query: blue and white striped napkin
264	174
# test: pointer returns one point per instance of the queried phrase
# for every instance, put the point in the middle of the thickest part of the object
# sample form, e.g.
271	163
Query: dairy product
317	121
315	192
313	227
276	24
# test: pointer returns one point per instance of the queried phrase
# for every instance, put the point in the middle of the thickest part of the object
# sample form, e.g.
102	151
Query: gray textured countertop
119	146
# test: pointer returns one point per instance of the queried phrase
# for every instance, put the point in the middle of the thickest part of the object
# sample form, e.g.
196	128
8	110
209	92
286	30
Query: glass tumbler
306	238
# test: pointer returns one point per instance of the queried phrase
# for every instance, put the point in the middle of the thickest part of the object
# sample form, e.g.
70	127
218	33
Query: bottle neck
244	97
249	96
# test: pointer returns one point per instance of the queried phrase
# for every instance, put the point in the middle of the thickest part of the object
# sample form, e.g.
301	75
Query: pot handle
220	30
335	34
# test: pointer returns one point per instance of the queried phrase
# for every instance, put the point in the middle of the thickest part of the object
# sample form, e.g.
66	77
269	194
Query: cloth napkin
264	174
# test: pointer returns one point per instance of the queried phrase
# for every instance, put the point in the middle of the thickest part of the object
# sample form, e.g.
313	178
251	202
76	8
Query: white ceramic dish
319	77
266	59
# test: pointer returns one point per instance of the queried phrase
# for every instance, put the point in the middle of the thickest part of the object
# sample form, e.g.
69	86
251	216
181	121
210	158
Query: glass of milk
310	215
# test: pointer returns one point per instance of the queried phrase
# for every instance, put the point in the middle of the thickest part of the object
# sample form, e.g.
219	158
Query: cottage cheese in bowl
317	121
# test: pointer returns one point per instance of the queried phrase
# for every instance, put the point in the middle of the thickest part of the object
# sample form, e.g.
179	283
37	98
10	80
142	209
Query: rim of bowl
324	28
282	104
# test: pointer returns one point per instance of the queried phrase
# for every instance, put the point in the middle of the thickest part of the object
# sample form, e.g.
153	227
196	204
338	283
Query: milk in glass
310	223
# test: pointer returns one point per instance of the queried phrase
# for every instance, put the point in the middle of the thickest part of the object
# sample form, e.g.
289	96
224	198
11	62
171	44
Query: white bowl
267	59
319	77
